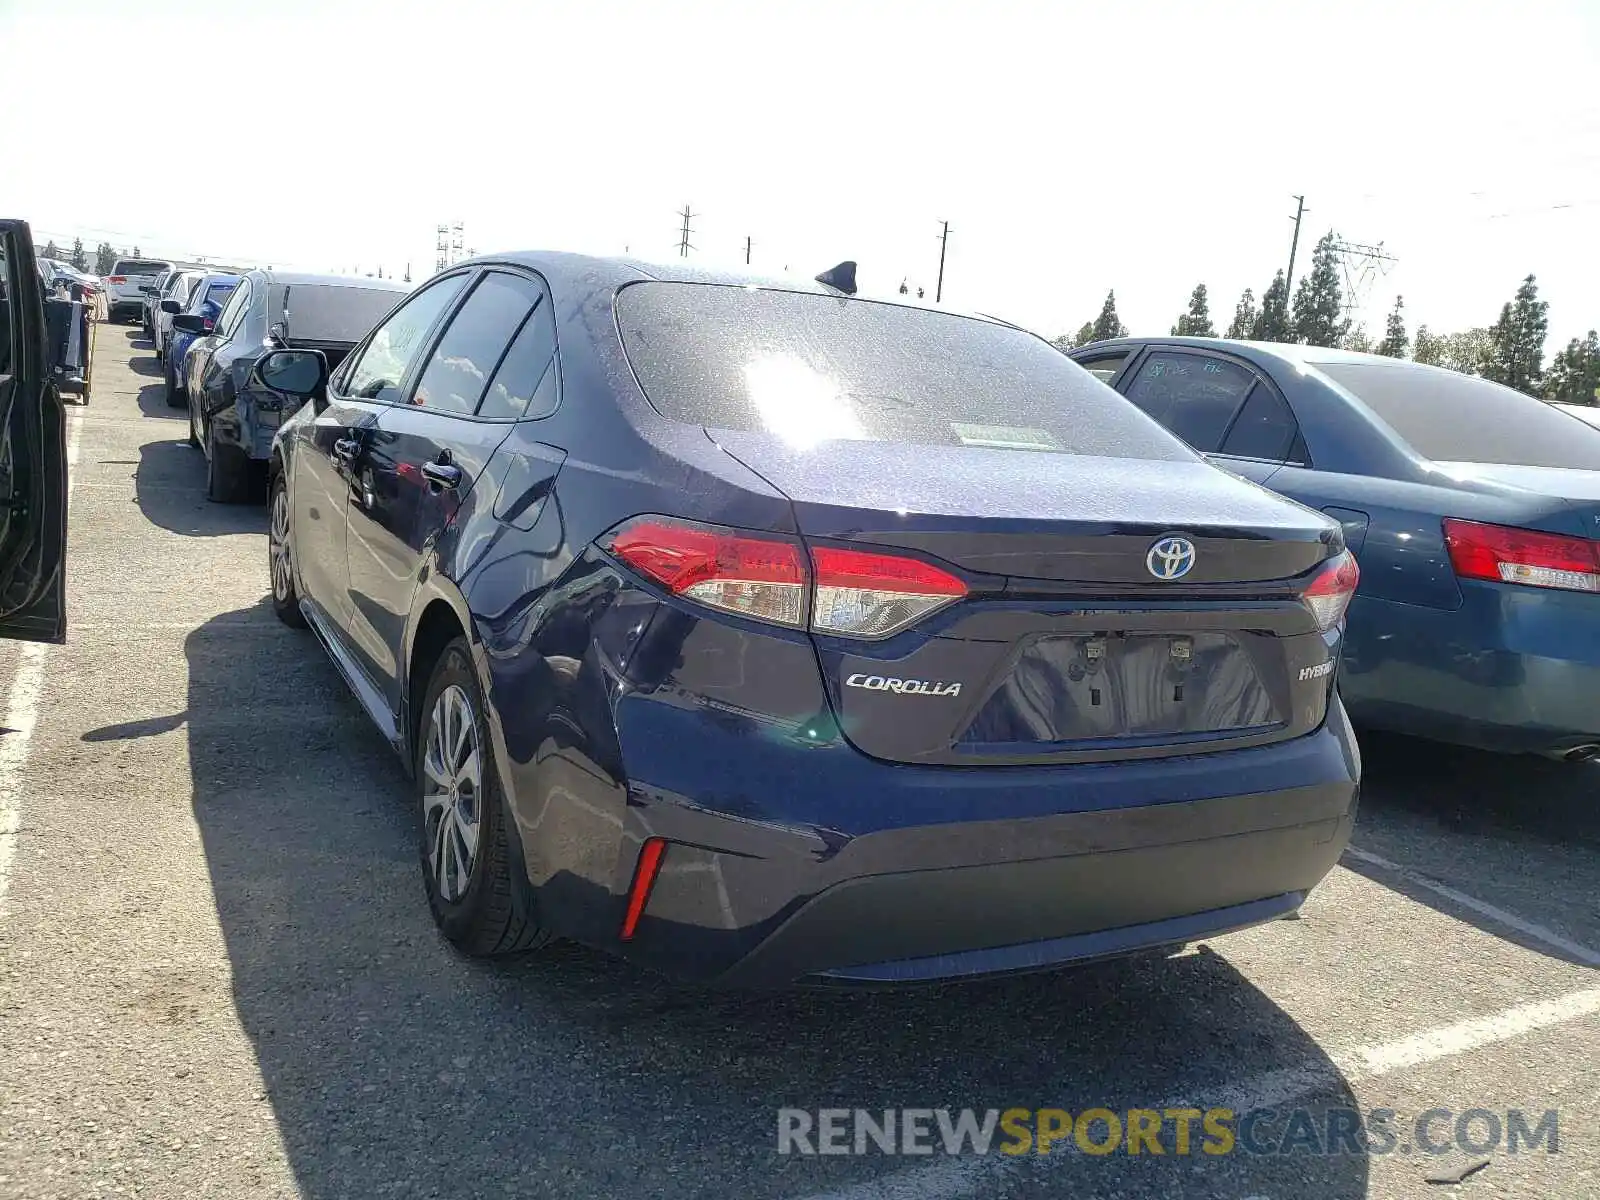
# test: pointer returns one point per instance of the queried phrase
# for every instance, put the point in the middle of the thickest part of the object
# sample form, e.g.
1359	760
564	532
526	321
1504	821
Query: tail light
1502	554
847	593
208	324
861	594
644	878
1330	590
116	279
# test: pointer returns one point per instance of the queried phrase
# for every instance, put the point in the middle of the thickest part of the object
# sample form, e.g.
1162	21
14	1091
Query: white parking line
22	709
975	1175
1530	930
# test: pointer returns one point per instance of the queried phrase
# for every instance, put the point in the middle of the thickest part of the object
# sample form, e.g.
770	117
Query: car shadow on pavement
395	1066
153	403
147	366
1516	832
170	485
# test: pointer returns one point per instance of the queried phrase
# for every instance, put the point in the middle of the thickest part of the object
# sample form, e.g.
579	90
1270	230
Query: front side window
1194	395
398	342
458	370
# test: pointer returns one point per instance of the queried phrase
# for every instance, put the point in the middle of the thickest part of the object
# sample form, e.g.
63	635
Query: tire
194	438
227	472
175	397
491	913
280	556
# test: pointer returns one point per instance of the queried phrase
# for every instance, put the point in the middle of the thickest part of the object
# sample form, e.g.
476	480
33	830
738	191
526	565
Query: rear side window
1194	395
218	293
1450	417
473	343
1264	428
137	266
808	368
526	384
1104	367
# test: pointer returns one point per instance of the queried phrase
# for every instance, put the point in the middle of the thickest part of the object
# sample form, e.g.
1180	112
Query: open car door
33	454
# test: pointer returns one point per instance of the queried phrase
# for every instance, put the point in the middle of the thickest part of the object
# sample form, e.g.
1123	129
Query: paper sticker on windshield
1005	437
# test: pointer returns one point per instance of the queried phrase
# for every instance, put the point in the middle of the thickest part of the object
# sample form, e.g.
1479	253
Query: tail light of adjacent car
116	279
1329	593
846	593
1504	554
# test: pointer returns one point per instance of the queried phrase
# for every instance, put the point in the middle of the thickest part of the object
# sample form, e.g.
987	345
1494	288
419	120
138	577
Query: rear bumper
991	871
1513	669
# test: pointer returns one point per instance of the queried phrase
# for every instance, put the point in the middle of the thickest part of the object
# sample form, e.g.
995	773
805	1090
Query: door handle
442	476
346	449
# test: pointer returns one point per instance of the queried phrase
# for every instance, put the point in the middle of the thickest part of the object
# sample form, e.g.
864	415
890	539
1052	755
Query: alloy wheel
278	546
451	792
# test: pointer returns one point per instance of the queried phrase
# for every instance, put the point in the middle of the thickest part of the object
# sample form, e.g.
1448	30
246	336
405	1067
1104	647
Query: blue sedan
204	308
759	632
1474	511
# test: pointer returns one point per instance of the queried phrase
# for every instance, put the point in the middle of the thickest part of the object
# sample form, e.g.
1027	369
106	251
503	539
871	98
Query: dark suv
232	416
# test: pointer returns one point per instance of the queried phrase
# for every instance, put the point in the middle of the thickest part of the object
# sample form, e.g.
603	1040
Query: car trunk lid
1068	646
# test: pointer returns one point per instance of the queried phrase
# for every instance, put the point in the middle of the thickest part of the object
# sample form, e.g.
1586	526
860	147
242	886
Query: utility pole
944	242
1288	282
683	240
747	241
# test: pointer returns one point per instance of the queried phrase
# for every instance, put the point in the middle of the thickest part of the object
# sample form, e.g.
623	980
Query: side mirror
171	306
293	372
192	323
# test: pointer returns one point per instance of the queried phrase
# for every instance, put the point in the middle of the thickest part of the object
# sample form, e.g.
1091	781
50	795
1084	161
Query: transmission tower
443	248
456	240
684	245
1361	264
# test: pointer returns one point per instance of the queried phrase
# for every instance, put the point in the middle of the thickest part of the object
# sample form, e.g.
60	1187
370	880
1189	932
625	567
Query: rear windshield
327	312
809	367
1450	417
138	266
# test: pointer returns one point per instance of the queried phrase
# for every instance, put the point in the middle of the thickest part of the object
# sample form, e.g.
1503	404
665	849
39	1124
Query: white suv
125	286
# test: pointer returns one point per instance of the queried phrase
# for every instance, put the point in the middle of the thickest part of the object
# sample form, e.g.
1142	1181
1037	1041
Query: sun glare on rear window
810	368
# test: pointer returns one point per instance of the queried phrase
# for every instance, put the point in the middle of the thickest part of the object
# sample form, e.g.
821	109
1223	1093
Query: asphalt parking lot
218	976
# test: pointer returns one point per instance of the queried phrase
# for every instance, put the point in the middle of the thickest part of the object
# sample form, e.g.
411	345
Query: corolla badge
1170	558
903	687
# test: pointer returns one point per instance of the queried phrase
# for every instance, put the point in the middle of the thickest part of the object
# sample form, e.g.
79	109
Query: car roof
1291	354
290	278
563	268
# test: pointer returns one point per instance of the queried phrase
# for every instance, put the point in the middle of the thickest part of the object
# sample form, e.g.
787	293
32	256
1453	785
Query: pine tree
1245	316
1429	349
1574	376
1085	333
1197	321
1356	338
50	250
105	257
1395	342
1108	324
1318	300
79	259
1516	354
1272	325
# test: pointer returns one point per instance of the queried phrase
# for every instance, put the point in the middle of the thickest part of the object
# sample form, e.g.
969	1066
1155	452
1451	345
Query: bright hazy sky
1073	147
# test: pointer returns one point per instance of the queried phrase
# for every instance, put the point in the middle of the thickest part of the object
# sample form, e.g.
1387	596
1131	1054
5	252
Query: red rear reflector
116	279
644	878
744	573
865	594
1503	554
1331	589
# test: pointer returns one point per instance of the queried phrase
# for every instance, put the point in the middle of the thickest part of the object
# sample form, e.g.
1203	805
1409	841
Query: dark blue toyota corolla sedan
766	634
1474	509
